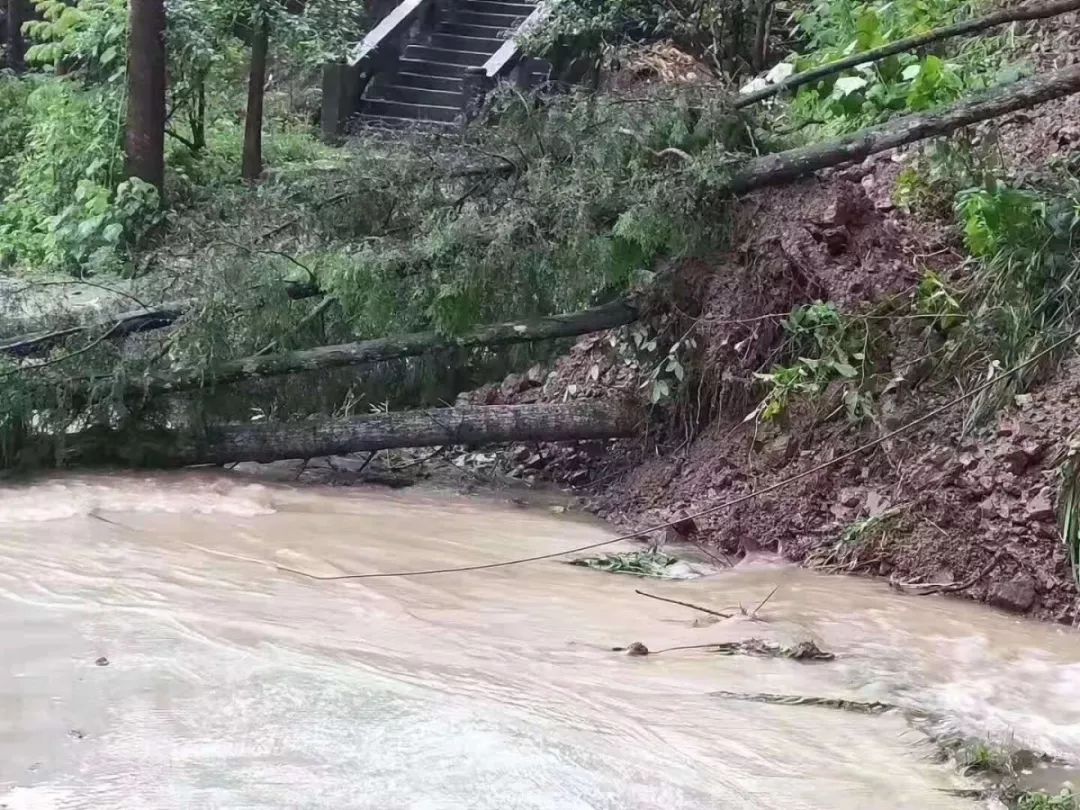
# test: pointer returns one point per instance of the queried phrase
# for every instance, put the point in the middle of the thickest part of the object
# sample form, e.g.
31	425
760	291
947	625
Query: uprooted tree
443	247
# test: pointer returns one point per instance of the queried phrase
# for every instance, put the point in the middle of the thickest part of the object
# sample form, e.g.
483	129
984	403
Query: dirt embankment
971	510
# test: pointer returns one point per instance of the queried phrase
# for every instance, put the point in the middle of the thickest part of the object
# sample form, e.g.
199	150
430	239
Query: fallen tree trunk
491	424
125	323
1030	11
599	318
774	169
783	167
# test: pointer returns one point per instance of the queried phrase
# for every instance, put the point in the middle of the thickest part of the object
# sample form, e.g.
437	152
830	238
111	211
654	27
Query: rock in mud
1041	506
1016	595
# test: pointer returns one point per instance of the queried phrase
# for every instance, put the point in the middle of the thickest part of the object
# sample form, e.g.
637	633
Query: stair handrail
394	25
480	80
344	82
510	52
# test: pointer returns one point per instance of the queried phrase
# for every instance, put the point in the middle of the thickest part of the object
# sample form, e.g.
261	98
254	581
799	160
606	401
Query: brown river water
232	684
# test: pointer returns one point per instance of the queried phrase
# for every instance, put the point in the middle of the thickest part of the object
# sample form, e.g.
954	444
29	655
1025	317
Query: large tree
252	164
13	38
145	132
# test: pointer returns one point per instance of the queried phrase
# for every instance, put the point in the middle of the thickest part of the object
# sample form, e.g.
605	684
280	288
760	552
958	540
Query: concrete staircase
426	87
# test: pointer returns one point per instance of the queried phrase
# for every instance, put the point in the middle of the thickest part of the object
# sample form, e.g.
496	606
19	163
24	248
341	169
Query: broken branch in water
690	605
761	604
913	588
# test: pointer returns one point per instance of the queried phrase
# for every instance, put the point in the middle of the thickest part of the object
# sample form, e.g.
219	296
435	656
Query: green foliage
65	209
938	171
720	32
580	208
14	125
898	84
934	297
827	348
1024	293
1065	800
89	37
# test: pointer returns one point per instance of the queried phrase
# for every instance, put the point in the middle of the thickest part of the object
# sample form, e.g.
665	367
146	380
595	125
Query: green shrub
66	209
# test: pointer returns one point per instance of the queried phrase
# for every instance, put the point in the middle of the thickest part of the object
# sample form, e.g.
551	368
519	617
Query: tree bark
125	323
784	167
145	130
379	349
14	43
252	164
197	115
1030	11
492	424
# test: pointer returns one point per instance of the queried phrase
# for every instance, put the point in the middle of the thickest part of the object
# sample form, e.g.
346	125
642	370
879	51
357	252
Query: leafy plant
1065	800
89	37
939	171
936	298
828	348
902	83
1024	293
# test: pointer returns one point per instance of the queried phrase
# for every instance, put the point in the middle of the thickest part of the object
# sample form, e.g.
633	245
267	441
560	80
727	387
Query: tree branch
1031	11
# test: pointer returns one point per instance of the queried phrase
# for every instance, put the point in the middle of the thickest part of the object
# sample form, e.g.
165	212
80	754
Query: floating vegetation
654	564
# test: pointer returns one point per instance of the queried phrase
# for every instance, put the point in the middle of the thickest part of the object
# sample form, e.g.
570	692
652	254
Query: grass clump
1039	800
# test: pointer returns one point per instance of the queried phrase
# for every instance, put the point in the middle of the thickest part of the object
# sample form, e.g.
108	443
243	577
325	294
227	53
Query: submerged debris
841	704
638	563
802	651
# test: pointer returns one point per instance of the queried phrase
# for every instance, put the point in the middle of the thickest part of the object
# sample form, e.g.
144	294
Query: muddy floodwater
153	656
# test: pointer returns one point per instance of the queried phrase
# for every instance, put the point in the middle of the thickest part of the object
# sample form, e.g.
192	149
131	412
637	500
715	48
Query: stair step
418	95
496	7
428	82
446	56
423	67
504	22
483	31
453	42
401	109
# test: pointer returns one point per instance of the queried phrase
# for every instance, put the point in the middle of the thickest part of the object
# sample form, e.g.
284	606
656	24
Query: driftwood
928	588
125	323
690	605
379	349
784	167
1029	11
587	419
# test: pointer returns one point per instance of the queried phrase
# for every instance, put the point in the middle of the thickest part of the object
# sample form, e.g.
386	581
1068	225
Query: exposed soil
973	513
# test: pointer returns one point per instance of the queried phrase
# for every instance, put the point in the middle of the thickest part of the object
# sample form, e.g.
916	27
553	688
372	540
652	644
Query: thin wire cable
716	507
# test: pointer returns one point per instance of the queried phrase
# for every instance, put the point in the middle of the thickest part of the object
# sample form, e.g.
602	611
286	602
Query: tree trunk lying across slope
126	323
488	424
783	167
607	316
1028	11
